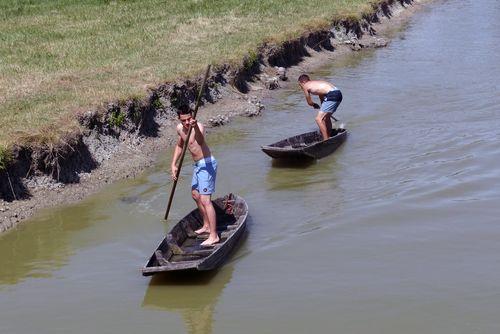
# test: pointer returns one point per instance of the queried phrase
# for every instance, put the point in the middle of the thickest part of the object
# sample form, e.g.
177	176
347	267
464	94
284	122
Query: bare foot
210	241
202	230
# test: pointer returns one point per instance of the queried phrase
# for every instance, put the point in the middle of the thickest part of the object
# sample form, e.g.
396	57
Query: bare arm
176	156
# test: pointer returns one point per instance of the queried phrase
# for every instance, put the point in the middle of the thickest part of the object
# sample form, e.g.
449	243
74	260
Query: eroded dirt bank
122	138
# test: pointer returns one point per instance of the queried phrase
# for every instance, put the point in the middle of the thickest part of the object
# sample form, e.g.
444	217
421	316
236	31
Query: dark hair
183	110
303	78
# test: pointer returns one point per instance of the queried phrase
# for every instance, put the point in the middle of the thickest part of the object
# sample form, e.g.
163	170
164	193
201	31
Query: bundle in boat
181	249
306	146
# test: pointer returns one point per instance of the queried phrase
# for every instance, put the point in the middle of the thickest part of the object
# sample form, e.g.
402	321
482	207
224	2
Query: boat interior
305	139
183	244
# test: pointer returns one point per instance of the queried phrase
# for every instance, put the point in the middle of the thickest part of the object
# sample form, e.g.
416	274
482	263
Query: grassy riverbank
61	56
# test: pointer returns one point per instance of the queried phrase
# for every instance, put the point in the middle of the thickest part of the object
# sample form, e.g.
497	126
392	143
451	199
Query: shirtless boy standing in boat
330	98
205	170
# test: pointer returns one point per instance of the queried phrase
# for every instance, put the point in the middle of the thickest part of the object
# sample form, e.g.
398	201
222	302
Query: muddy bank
122	138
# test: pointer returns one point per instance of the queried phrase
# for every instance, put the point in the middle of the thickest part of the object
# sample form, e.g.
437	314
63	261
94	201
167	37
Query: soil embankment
122	138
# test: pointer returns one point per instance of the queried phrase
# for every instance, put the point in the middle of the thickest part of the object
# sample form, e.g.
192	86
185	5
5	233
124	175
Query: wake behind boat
181	249
306	146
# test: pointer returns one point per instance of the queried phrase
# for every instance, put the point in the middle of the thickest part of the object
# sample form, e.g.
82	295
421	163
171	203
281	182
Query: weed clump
250	61
5	158
117	118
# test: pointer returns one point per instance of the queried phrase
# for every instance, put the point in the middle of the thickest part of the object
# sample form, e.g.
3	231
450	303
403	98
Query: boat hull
306	146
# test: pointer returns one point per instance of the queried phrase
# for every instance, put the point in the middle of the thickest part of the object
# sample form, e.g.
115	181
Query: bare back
318	87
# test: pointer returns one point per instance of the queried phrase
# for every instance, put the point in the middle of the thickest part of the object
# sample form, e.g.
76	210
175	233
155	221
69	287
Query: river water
397	232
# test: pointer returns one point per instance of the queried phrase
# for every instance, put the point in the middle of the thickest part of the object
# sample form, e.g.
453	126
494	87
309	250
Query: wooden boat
306	146
181	249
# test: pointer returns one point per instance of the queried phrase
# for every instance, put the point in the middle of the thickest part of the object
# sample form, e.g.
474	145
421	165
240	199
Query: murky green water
397	232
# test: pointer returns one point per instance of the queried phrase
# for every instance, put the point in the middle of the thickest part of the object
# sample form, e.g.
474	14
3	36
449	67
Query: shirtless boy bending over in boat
330	98
205	170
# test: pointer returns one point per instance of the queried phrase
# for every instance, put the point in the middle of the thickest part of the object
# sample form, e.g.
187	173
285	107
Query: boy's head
183	110
303	79
184	114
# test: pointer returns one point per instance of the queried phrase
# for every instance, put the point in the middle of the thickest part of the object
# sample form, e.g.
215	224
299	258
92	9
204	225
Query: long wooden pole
186	142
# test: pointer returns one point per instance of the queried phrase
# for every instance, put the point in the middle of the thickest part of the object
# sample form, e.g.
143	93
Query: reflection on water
304	175
193	295
38	250
297	164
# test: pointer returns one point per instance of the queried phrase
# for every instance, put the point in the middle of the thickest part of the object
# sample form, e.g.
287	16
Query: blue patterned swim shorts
204	174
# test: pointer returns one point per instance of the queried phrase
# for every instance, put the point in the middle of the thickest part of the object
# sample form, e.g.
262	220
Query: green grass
62	56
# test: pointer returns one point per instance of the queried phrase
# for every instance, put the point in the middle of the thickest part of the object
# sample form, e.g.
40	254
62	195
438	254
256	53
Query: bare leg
320	120
213	238
328	121
206	227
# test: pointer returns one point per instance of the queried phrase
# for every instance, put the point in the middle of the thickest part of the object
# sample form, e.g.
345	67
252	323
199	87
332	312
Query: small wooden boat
181	249
306	146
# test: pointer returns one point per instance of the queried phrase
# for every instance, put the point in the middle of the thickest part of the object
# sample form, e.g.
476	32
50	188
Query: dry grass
61	56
